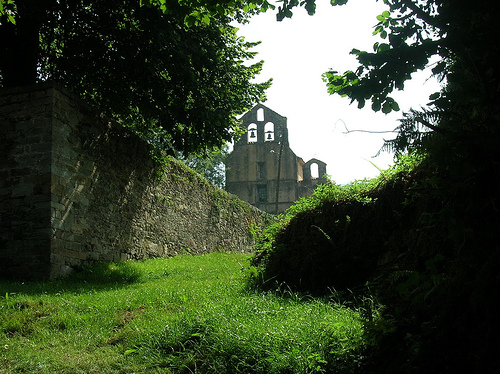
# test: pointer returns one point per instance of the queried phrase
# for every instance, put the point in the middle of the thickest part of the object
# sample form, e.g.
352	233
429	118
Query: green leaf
383	47
310	7
189	20
129	351
383	17
206	19
387	107
439	68
434	96
377	30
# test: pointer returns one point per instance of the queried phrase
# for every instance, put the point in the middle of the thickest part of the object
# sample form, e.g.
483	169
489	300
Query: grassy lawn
185	314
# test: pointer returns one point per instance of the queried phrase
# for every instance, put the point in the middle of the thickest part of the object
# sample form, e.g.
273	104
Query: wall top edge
36	87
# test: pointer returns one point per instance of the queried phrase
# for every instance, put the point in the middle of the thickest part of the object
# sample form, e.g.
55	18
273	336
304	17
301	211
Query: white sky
296	52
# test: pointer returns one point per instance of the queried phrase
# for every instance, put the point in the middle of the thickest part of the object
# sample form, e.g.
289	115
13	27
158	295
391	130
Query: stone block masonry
76	188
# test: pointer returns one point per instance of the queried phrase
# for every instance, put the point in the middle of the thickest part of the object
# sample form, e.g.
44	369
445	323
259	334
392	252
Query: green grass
185	314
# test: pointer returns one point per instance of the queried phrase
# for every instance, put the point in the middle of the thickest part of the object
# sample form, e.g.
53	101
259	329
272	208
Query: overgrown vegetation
423	247
333	239
223	201
424	242
177	315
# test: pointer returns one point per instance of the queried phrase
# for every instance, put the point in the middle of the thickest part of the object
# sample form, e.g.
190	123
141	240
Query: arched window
314	171
252	133
269	132
260	114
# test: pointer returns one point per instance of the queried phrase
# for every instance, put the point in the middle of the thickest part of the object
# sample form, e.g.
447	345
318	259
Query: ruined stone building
262	168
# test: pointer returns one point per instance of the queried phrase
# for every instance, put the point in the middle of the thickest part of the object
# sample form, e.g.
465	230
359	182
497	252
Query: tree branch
420	13
429	125
367	131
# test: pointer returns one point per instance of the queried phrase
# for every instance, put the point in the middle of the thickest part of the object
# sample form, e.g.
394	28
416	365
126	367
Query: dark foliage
425	248
179	87
343	243
428	244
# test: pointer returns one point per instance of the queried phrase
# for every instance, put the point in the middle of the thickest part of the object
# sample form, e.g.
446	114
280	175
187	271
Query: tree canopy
453	37
412	32
180	87
457	39
210	165
115	54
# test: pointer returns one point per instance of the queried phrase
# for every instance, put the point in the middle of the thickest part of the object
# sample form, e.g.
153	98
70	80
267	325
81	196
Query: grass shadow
100	276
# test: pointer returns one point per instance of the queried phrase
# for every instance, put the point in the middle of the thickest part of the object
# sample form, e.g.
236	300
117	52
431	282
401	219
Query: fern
414	130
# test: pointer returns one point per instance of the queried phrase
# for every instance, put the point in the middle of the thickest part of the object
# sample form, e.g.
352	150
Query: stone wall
76	188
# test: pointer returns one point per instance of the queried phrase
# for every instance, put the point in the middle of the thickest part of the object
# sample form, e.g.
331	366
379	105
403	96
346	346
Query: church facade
262	168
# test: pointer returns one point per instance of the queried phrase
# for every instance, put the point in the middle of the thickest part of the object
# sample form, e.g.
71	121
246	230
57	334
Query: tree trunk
19	45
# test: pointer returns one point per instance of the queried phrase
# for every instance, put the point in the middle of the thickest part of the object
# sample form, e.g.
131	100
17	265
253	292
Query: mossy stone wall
76	187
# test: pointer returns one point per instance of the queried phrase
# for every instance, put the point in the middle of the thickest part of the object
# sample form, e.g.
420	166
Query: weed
315	363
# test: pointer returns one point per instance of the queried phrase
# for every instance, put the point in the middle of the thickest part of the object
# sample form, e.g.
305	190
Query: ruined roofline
315	160
258	106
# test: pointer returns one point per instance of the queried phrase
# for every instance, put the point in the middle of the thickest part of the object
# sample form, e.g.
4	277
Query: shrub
335	238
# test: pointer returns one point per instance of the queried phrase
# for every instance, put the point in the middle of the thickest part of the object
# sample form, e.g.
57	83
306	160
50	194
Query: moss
225	205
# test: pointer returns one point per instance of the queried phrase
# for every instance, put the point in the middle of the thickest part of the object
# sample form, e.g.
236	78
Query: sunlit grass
180	314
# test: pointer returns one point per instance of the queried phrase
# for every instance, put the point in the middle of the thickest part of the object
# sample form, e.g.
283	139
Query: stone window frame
262	193
261	170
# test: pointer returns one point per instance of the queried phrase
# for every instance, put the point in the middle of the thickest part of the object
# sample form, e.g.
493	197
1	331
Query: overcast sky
296	52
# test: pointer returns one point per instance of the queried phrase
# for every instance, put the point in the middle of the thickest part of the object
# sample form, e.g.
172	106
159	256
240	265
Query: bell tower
262	169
